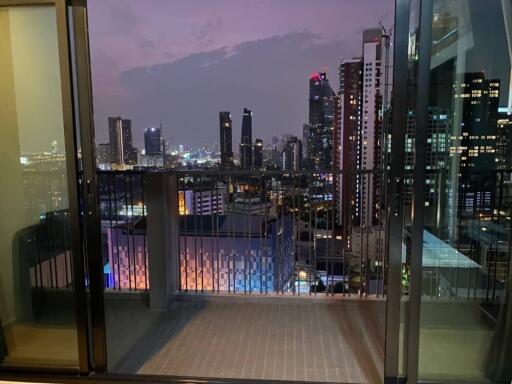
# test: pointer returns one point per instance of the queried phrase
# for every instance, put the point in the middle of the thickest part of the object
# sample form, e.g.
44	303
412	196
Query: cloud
270	76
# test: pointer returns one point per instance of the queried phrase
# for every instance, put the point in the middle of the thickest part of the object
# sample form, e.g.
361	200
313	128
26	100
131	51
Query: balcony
233	274
262	287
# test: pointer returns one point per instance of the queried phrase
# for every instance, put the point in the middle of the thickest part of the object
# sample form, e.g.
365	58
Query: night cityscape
263	191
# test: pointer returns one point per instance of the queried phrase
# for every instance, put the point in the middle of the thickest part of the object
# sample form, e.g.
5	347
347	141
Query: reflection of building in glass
504	139
476	143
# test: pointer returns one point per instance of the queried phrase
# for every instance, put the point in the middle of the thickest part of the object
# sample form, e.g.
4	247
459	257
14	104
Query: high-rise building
246	140
362	90
226	139
322	101
153	142
103	153
258	153
305	136
120	140
504	139
350	131
476	144
292	154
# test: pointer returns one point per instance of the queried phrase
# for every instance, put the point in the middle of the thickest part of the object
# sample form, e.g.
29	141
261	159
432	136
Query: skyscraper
321	122
504	139
103	153
258	153
226	139
153	142
476	143
362	90
246	140
120	140
292	154
350	103
305	136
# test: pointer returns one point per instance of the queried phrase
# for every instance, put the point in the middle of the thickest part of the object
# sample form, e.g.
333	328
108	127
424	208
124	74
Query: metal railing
281	232
123	228
251	232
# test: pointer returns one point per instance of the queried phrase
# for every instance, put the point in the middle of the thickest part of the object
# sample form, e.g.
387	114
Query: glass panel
36	271
466	238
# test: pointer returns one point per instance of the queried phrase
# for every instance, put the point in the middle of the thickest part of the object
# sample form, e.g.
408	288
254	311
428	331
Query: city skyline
186	91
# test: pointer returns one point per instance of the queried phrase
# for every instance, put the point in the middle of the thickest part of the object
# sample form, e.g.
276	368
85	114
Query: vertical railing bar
48	244
297	232
201	214
196	261
294	235
260	219
281	252
228	227
327	248
234	229
118	258
369	188
67	249
110	221
132	236
127	221
186	254
144	234
315	231
38	244
213	189
266	248
332	232
217	234
248	225
382	180
362	215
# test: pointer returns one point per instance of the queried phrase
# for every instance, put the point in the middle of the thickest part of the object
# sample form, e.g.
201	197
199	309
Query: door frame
73	184
395	219
92	218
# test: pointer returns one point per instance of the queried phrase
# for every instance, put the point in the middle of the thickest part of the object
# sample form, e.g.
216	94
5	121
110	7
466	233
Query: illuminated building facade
322	102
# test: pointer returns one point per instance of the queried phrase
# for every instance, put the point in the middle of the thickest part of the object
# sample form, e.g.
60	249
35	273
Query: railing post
161	195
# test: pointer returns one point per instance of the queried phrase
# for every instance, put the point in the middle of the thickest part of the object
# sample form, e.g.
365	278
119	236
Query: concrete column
161	197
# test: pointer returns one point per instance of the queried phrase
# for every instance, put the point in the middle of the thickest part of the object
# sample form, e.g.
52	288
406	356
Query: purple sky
183	61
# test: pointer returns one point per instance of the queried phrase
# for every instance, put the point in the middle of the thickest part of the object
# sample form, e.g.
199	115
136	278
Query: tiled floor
264	338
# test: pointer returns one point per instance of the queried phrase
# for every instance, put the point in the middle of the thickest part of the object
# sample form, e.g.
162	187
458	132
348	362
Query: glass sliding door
40	253
461	218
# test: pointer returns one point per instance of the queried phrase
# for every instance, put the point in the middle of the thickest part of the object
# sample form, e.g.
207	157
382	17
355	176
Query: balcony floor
270	338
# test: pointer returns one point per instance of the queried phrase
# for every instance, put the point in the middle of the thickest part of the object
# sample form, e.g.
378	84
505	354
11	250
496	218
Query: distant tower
153	141
226	139
246	140
120	140
258	153
322	101
292	154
